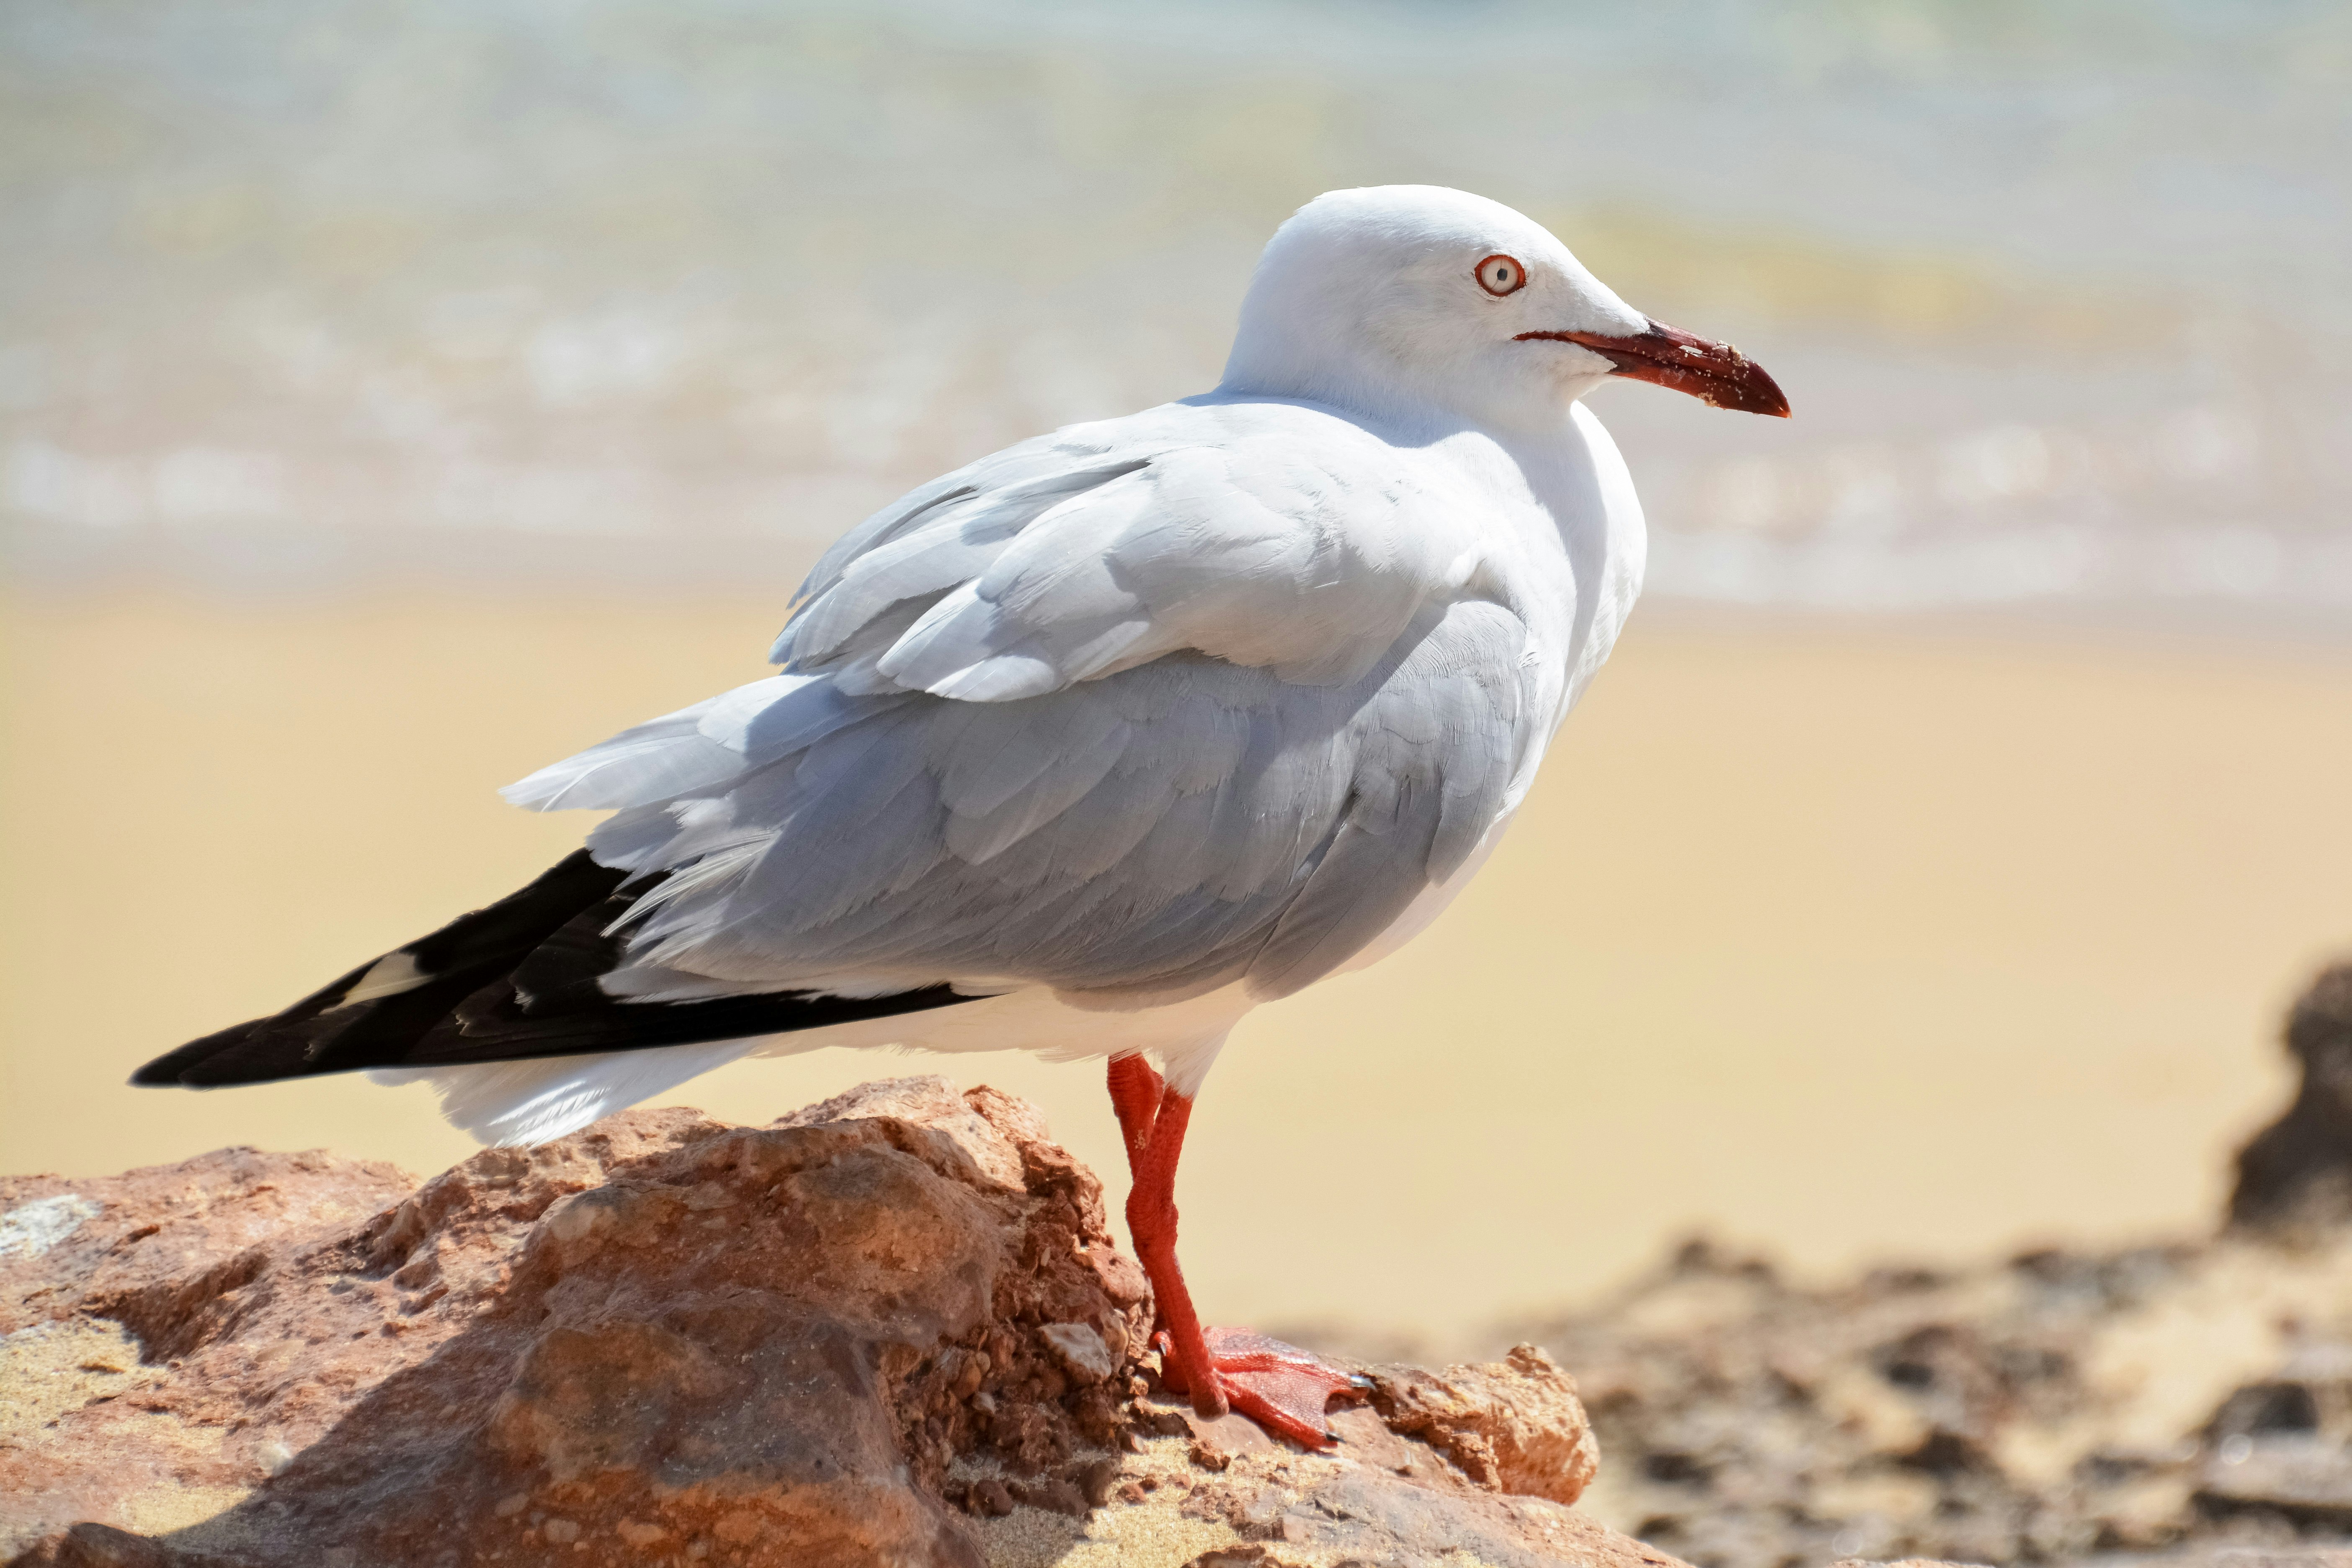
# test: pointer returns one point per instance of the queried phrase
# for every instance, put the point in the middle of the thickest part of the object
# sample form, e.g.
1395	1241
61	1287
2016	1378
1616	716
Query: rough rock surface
1516	1427
2051	1408
892	1328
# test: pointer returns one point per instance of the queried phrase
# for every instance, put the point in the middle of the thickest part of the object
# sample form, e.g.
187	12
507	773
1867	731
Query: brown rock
2297	1172
1214	1444
1312	1513
100	1428
2149	1406
1097	1480
1195	1493
890	1328
99	1546
2303	1478
1513	1426
661	1329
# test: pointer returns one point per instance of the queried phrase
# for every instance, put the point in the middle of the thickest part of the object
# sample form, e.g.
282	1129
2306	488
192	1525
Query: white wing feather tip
512	1103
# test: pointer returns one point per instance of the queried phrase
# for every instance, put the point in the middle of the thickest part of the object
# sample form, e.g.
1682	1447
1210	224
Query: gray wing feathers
1411	825
1198	549
1075	557
1137	717
695	748
663	757
1163	831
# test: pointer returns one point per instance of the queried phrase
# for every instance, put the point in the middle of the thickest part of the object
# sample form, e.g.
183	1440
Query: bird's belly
1184	1035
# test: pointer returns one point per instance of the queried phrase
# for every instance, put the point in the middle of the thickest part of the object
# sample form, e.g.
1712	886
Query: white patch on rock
1081	1349
30	1229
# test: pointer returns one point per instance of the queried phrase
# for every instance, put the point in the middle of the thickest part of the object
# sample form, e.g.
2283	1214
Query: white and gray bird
1093	745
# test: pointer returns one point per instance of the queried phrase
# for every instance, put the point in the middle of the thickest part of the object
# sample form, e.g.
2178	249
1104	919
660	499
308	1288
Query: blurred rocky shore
2185	1401
895	1328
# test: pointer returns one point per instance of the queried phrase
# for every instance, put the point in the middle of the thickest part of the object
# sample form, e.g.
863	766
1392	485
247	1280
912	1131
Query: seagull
1098	742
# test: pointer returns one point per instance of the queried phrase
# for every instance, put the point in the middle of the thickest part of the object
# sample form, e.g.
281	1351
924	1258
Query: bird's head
1398	299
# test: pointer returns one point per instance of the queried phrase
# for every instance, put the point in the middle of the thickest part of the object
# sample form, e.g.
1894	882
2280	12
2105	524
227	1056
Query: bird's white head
1420	302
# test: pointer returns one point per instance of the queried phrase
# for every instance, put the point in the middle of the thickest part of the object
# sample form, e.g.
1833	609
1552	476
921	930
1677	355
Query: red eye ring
1500	275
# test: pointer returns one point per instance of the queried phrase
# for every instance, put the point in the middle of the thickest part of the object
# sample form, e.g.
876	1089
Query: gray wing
1270	535
1137	722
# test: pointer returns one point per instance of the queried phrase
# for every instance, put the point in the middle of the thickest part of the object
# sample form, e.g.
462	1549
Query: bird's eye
1501	275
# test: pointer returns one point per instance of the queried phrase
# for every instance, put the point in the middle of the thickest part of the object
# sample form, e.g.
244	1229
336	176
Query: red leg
1135	1097
1151	1217
1279	1386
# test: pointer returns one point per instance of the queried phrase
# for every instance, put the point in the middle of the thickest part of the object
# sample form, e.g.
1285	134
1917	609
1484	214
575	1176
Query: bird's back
1143	708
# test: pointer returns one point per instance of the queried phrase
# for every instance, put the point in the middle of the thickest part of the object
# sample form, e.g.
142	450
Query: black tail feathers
380	1012
514	980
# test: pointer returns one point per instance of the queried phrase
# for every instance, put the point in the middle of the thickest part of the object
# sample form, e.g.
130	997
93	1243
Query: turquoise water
672	290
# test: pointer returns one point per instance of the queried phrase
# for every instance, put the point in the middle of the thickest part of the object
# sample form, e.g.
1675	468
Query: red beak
1715	373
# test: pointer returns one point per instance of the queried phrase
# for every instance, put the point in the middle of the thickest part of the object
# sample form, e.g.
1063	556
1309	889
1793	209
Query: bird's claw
1281	1387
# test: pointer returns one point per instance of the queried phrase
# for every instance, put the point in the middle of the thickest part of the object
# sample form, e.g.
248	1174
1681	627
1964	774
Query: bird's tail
515	982
379	1014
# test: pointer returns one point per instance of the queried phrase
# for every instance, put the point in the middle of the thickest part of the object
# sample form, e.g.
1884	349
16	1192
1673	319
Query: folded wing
1137	711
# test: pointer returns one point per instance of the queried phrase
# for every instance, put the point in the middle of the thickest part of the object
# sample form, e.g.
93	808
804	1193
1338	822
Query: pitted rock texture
142	1384
2162	1405
658	1331
1516	1426
890	1329
1192	1494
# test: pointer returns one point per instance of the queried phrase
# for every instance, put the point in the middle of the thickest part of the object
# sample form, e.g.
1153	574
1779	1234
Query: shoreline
47	564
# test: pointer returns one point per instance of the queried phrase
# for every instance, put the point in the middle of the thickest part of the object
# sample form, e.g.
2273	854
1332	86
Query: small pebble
1098	1479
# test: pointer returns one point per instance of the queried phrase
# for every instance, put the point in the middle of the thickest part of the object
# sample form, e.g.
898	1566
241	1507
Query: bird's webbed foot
1284	1389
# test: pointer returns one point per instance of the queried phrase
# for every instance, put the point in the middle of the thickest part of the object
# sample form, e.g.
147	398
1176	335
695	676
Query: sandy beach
1839	940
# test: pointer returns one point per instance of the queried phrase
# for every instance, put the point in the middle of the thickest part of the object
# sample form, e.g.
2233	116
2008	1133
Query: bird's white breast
1566	548
1577	547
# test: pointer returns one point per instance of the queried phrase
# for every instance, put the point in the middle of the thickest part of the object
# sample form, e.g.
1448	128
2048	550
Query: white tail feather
507	1103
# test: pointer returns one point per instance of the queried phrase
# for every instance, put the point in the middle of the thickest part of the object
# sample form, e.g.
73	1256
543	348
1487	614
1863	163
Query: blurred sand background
391	402
1845	940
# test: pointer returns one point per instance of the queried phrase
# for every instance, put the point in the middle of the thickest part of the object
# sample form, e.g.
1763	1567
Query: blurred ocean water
636	291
